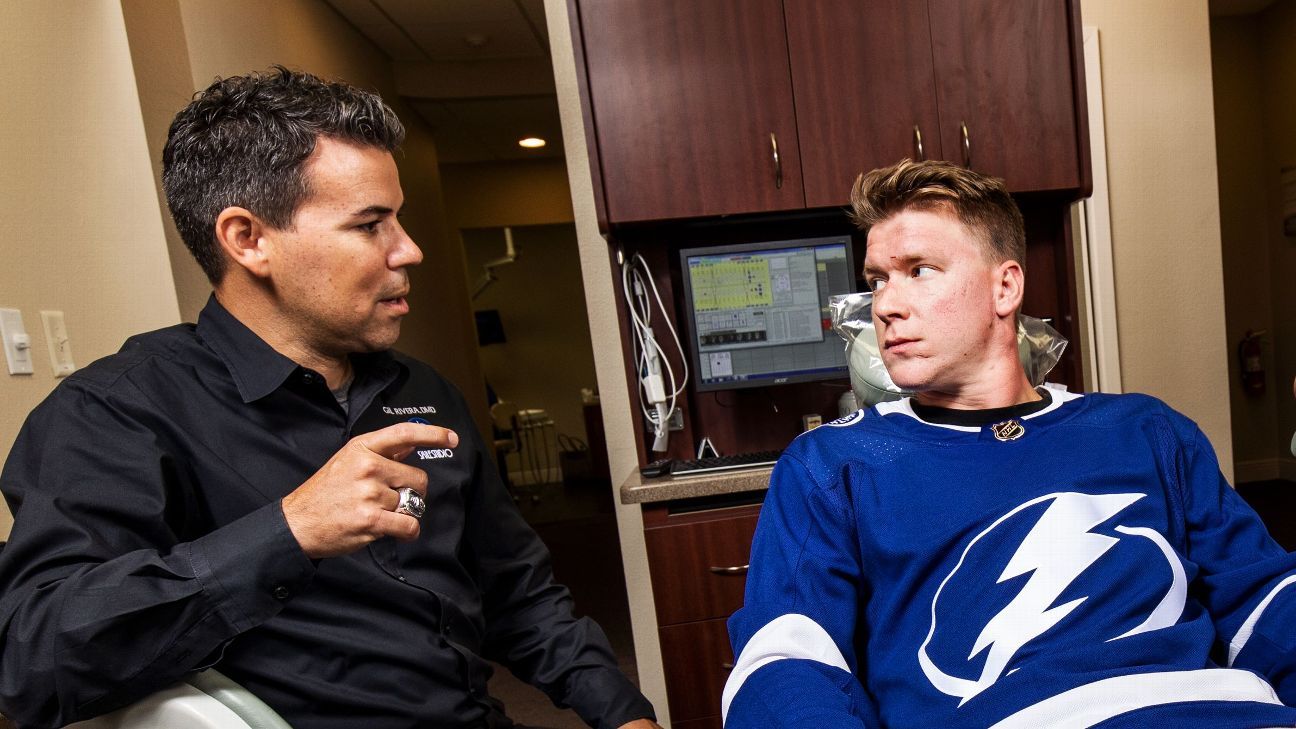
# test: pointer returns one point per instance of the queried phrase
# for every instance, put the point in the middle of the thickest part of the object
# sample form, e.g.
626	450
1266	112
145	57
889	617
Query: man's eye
877	284
370	227
920	271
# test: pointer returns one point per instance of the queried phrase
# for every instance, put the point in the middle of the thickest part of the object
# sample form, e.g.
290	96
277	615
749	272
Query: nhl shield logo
1008	430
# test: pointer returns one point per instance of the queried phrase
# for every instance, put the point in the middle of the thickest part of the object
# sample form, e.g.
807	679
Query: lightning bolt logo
1056	551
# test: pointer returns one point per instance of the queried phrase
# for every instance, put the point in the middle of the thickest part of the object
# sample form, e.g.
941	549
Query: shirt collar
257	368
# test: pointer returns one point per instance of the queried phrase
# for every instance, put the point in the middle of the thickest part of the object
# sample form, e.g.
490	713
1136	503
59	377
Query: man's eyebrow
903	260
376	210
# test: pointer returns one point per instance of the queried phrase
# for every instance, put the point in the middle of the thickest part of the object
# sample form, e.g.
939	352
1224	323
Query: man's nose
888	303
406	252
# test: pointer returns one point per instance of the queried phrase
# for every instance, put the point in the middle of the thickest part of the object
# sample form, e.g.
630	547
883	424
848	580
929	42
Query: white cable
650	358
669	326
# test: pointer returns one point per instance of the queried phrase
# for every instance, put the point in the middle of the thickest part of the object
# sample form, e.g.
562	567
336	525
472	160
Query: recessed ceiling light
531	142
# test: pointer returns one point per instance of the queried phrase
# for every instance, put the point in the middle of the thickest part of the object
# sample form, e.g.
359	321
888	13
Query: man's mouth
395	304
897	344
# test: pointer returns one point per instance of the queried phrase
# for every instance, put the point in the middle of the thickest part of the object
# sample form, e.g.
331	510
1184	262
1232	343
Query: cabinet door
1004	73
685	96
697	659
864	88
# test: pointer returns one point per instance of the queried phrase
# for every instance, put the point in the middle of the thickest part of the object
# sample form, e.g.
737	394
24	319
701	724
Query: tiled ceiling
478	71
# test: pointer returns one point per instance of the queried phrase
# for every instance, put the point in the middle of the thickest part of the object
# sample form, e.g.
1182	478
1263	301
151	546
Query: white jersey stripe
787	636
1093	703
1059	398
1248	626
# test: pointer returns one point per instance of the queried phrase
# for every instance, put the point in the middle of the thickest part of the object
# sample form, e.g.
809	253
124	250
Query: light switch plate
60	348
17	345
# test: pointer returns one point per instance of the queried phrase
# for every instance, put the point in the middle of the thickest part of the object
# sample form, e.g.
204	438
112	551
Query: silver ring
410	504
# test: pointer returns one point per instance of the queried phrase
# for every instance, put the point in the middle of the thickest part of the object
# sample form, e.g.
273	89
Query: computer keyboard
724	463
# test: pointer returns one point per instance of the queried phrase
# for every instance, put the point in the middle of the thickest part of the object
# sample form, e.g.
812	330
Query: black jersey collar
980	418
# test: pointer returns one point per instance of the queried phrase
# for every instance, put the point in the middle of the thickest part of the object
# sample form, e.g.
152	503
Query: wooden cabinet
865	90
698	565
689	103
992	85
1009	85
687	100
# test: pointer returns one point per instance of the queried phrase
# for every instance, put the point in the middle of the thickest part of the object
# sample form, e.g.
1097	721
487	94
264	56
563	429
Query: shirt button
308	378
401	578
281	593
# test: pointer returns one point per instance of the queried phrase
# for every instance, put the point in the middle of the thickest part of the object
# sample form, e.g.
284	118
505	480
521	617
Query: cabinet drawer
699	569
697	660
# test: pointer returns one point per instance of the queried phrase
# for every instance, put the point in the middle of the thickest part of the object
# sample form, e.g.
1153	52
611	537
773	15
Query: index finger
396	441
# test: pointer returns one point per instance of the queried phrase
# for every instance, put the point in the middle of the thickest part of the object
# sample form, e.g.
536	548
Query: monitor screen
758	312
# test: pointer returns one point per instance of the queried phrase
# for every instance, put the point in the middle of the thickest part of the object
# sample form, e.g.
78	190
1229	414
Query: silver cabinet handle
778	163
967	146
735	570
918	147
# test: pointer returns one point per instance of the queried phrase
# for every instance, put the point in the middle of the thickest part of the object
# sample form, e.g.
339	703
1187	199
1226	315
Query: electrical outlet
60	348
676	421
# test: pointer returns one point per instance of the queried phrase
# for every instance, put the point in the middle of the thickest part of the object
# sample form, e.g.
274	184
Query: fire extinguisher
1253	374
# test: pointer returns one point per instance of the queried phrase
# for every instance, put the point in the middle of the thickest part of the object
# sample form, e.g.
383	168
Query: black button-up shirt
149	541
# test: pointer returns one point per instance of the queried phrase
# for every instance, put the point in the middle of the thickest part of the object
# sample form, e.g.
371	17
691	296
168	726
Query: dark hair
244	141
980	202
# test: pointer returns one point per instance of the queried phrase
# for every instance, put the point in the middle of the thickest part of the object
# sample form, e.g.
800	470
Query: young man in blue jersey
989	554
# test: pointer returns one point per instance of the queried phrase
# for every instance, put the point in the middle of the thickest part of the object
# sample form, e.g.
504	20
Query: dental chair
205	700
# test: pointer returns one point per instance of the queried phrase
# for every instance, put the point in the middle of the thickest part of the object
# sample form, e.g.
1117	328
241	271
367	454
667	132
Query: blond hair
980	202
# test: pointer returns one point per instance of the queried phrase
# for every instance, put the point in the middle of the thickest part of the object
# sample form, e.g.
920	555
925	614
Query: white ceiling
478	71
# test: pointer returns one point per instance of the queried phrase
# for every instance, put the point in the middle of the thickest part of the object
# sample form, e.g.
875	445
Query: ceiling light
531	142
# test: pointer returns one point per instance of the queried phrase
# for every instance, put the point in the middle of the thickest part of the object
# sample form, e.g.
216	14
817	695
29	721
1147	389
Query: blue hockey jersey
1085	566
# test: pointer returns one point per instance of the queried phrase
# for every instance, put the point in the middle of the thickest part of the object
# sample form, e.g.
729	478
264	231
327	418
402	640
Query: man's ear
1010	287
242	236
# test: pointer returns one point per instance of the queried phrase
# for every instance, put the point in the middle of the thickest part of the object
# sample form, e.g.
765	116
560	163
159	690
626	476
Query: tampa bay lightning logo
1053	556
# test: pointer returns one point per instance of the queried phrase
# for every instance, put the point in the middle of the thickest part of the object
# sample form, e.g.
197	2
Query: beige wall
1165	206
1278	43
489	195
83	232
162	78
1252	57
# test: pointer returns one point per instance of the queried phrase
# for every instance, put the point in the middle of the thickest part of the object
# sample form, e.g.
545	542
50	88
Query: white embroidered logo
414	410
433	454
1056	551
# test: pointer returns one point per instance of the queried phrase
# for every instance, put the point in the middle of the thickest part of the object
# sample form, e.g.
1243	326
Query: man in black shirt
272	491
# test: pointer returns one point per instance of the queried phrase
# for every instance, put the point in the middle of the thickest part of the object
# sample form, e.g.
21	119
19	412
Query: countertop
640	490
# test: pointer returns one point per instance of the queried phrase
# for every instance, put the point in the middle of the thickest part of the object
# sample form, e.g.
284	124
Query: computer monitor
758	312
